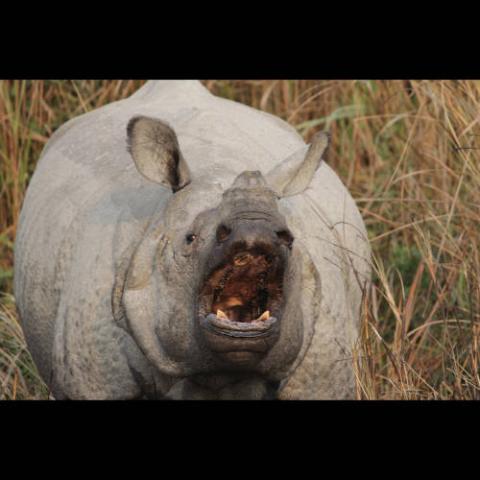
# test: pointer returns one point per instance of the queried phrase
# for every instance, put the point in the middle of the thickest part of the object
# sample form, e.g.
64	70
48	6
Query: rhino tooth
264	316
222	315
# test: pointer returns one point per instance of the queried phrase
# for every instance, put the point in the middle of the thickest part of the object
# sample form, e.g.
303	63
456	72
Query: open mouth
245	291
240	305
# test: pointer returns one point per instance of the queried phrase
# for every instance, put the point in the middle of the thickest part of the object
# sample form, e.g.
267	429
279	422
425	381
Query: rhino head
216	282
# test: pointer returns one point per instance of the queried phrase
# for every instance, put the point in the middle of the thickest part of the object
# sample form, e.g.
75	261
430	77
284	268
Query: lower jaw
239	344
239	360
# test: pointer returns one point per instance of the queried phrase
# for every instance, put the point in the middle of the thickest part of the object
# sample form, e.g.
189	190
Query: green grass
409	153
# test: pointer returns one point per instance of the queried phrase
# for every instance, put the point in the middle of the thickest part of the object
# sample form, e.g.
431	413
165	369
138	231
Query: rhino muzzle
241	300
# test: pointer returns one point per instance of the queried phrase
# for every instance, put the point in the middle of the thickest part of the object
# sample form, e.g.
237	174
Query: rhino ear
154	148
293	175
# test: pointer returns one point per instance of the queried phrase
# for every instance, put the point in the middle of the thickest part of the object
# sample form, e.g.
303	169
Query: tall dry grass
409	153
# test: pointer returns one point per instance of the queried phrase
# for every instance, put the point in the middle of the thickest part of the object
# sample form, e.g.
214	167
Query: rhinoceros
178	245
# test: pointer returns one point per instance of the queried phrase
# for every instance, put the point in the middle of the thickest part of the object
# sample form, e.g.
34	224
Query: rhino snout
241	300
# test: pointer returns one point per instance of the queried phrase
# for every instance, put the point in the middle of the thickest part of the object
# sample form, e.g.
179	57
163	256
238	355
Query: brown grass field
409	153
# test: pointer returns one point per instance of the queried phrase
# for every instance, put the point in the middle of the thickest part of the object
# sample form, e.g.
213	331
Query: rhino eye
286	237
190	238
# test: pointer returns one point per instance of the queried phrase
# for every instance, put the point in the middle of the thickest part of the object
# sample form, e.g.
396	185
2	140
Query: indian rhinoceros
178	245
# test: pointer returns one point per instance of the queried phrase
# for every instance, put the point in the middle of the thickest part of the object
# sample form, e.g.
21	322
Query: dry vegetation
409	153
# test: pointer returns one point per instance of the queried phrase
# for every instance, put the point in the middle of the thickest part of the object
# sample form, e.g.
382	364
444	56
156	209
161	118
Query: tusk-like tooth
222	315
264	316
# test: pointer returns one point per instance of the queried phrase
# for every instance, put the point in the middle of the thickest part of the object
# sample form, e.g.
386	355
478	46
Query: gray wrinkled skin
106	286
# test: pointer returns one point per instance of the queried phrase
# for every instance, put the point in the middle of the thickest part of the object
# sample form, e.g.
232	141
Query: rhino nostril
223	233
285	237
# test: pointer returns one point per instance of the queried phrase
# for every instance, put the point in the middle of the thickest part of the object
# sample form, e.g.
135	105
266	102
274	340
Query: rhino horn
155	151
249	179
294	174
